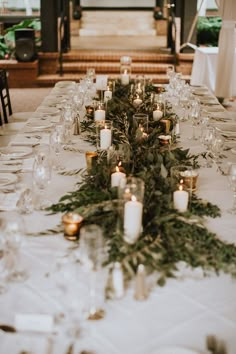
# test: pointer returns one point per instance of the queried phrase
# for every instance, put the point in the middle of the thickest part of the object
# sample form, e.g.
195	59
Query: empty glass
42	174
13	230
207	137
56	145
194	113
92	256
232	185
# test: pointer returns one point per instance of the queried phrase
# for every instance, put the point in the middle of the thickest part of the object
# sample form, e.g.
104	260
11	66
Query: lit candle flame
133	198
117	169
181	187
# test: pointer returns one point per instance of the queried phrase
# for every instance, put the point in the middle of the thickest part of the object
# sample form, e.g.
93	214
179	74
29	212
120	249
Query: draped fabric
226	70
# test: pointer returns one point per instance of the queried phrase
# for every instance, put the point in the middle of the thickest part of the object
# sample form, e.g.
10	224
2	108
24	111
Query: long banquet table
180	314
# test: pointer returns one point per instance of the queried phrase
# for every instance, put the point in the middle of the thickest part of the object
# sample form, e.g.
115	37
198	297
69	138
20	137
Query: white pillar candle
107	95
101	82
116	177
99	114
105	138
124	79
157	114
133	211
181	199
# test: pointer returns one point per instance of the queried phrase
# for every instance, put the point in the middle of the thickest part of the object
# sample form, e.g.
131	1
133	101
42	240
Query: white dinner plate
14	152
233	150
62	84
216	108
39	125
226	128
175	350
48	110
201	91
7	178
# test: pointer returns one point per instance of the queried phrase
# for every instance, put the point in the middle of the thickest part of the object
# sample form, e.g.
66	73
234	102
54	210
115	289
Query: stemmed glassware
92	256
194	114
3	268
217	146
232	185
42	174
56	145
208	134
13	229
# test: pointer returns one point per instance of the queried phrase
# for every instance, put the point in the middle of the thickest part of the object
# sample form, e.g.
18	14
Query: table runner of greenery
168	236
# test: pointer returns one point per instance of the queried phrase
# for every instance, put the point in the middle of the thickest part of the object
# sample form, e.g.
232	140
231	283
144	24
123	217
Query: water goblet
42	174
217	146
232	185
194	113
13	230
92	256
207	137
3	268
56	145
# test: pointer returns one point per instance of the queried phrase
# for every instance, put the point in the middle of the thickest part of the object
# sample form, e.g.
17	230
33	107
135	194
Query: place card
33	322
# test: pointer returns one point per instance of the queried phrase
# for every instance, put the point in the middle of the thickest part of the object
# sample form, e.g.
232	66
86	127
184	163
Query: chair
18	118
5	96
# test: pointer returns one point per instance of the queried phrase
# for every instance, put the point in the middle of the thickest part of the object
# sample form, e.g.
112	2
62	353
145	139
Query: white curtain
226	70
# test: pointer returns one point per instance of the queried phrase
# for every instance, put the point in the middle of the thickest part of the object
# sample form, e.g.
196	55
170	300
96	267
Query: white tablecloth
204	68
182	313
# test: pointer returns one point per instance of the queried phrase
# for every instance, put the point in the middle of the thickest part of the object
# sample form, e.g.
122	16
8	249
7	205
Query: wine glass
56	145
13	229
92	257
42	174
3	268
232	185
217	146
207	137
194	113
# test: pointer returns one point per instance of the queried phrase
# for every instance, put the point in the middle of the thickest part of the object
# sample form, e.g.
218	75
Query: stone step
123	23
115	55
116	32
109	67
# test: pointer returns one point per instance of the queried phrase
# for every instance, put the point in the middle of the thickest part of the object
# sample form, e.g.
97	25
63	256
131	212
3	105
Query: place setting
13	153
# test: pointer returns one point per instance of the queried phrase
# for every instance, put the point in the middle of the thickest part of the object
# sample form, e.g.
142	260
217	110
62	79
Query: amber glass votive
72	223
91	160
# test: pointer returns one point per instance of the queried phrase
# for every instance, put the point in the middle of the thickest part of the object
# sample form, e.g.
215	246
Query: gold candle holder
72	223
165	123
91	160
89	110
190	180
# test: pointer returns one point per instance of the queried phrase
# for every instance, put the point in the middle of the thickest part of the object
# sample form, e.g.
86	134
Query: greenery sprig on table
168	236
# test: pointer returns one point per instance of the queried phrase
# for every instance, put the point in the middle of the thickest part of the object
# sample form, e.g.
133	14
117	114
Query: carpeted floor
27	99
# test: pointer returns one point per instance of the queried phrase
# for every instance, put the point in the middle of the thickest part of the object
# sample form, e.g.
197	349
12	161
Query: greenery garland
168	236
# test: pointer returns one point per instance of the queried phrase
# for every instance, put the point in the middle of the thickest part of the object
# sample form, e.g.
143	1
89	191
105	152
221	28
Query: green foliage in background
208	29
